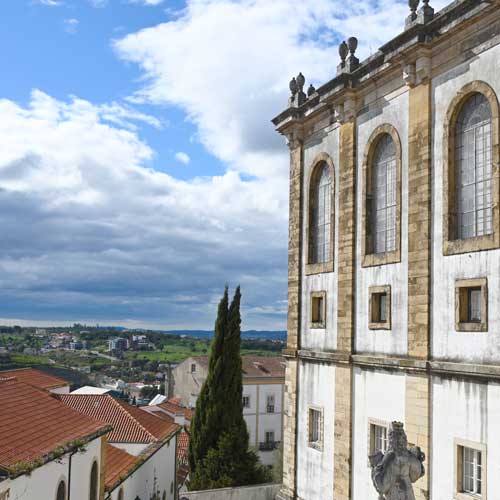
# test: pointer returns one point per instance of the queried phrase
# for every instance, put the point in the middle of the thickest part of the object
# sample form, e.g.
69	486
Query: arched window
120	494
320	216
384	201
94	482
61	491
473	168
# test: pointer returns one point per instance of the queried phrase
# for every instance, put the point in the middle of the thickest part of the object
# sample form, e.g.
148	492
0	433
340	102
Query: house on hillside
145	464
47	450
263	384
39	379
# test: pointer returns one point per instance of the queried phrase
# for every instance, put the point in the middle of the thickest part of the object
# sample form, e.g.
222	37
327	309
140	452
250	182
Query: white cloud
147	2
182	157
98	3
50	3
71	25
92	232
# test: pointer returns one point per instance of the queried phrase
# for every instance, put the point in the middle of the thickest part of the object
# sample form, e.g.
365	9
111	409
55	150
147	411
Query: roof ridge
129	415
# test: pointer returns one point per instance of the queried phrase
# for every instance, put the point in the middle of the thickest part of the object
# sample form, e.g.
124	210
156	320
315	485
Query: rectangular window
380	307
470	470
246	401
378	438
315	427
471	297
193	368
270	403
318	309
269	437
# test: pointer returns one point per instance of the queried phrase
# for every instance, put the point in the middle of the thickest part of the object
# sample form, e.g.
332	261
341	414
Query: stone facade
423	367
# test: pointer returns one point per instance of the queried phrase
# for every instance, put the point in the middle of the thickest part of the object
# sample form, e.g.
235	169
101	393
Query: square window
246	401
470	470
318	310
471	307
315	424
380	307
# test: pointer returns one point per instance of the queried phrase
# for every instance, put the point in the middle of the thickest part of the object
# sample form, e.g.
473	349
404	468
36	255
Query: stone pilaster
102	467
419	220
289	487
417	417
345	320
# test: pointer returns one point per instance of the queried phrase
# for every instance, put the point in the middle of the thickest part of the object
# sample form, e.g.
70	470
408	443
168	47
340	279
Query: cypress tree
219	455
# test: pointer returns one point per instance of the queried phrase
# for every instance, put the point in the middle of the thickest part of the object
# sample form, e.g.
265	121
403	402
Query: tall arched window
384	201
94	482
61	491
120	494
320	216
473	168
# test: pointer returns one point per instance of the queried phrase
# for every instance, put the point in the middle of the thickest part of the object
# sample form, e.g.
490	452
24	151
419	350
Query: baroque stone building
394	261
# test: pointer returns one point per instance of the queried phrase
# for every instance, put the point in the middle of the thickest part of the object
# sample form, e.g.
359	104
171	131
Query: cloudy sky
139	170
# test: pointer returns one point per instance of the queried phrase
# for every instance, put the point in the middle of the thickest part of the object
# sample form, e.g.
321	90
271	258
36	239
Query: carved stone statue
394	472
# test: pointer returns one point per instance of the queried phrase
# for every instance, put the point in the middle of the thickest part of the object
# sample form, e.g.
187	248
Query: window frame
321	324
273	405
459	446
247	397
318	444
451	245
316	166
372	424
370	259
374	293
462	306
94	467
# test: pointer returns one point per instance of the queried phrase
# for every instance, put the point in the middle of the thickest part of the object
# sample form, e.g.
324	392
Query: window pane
382	306
473	168
474	304
321	217
384	177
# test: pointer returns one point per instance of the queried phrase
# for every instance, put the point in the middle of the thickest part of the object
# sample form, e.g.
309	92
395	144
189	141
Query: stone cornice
402	50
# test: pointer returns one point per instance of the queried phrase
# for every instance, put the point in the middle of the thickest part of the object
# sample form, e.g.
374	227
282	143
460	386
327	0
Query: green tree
218	451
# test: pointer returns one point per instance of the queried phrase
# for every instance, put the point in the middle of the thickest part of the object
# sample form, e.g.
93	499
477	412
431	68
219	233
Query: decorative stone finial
343	51
413	4
422	16
298	96
348	64
352	43
311	90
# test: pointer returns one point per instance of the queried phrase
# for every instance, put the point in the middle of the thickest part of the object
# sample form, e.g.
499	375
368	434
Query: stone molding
380	325
368	257
460	285
452	246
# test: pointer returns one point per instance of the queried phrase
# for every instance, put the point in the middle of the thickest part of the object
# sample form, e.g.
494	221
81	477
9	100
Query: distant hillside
249	334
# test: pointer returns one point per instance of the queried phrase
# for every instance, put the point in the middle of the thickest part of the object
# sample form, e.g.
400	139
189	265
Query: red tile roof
255	366
118	464
33	424
130	424
35	378
173	407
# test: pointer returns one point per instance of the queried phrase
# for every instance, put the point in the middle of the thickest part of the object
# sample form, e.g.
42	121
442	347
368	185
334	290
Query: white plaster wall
187	385
141	483
446	342
43	482
391	109
61	390
132	448
315	468
378	395
324	140
250	414
469	411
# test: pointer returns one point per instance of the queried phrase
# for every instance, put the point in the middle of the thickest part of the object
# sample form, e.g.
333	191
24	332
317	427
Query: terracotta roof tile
130	424
33	423
35	378
118	464
255	366
182	447
173	407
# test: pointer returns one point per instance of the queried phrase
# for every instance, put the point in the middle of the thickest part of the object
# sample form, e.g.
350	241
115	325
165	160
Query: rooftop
130	424
34	424
118	464
255	366
33	377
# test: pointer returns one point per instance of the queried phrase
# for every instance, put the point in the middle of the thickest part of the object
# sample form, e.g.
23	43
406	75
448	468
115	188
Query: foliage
218	449
149	392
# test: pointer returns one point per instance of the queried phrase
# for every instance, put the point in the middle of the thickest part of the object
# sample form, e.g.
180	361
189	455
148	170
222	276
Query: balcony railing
268	445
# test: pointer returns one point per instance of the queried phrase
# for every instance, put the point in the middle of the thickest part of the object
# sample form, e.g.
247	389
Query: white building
263	381
394	261
47	450
147	465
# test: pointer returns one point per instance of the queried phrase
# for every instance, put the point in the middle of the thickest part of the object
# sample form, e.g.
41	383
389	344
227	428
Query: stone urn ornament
394	471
